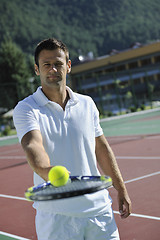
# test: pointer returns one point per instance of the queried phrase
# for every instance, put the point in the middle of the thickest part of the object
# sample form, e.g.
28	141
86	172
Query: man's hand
124	202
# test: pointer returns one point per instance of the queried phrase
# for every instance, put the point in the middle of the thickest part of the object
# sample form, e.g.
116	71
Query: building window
133	65
146	61
158	76
157	59
121	68
137	81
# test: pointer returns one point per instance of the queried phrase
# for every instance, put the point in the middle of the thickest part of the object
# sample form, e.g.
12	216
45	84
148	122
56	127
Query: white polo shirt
69	140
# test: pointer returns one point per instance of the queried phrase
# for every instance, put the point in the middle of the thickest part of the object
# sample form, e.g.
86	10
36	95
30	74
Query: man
59	127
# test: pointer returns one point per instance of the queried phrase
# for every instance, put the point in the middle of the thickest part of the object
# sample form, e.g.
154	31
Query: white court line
118	157
136	157
129	115
12	157
116	212
141	216
128	181
13	236
9	151
12	197
153	136
145	176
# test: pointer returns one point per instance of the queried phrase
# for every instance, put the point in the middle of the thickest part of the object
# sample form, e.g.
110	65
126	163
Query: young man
59	127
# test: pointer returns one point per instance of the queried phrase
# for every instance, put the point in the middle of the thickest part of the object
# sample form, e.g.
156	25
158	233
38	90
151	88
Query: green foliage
6	131
85	26
96	25
133	109
142	107
14	82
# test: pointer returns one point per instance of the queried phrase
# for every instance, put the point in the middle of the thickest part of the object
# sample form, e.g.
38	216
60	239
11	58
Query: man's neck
59	96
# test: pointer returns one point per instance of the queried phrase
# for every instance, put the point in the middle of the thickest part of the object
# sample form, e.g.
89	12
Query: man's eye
58	64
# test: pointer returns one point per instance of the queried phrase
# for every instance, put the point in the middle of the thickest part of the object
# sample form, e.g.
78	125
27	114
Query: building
120	79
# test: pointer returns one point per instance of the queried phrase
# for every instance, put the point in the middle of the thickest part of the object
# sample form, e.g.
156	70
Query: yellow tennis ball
58	176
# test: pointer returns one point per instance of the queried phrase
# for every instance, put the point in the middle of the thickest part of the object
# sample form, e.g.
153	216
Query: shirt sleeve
24	119
97	127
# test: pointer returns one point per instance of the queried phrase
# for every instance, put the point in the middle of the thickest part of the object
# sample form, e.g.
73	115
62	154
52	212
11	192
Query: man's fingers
125	209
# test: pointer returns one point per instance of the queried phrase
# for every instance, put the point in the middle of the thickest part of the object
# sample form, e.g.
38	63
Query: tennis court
135	141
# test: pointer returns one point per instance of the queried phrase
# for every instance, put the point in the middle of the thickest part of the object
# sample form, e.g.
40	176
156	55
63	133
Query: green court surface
4	141
139	123
7	236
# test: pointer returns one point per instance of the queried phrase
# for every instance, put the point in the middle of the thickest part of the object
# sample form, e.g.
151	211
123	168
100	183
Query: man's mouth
52	76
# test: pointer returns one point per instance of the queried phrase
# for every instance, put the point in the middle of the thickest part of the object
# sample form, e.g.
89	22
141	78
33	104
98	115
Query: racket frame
31	193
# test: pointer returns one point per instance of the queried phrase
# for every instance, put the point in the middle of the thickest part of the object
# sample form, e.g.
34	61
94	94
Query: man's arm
37	157
109	166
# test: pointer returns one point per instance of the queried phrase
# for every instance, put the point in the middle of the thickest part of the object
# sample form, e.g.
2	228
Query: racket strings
73	186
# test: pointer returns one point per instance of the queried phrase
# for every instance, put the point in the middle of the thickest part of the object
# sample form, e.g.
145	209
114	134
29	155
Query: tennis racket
76	186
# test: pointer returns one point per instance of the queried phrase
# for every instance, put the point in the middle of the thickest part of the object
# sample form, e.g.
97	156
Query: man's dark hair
50	44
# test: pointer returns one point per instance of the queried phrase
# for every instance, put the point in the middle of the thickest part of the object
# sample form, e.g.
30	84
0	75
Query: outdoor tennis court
135	141
139	123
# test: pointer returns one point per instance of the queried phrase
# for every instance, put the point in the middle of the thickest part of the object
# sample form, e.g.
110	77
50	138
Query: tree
128	98
14	84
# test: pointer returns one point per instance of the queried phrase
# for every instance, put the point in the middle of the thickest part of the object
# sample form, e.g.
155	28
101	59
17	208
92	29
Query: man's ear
69	66
36	69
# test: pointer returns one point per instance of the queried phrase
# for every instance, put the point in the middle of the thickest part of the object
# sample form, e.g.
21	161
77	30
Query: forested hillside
86	25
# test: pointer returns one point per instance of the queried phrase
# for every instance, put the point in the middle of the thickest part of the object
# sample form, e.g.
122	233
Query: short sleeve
24	119
97	127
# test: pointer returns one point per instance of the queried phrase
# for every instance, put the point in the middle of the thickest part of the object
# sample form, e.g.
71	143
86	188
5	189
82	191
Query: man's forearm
37	157
38	160
109	166
108	163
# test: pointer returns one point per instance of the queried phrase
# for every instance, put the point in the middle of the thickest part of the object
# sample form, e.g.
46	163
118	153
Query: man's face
53	68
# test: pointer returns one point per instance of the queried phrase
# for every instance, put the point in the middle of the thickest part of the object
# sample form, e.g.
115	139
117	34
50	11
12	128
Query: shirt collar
42	100
73	98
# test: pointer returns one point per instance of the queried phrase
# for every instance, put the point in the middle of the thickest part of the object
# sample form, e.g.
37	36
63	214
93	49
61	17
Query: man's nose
53	68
